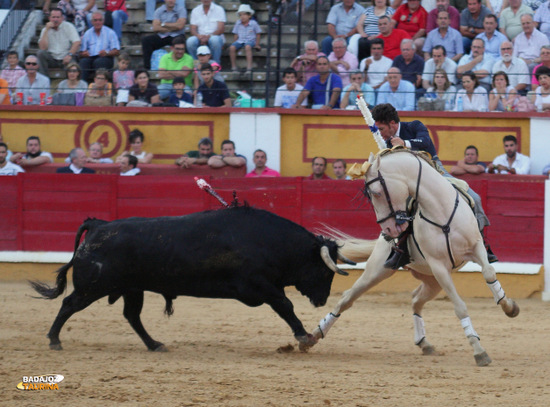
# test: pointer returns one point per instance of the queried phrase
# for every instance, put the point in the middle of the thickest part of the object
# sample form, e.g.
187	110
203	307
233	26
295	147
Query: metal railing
11	27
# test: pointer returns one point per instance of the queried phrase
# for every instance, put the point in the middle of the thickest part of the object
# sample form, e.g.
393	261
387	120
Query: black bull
242	253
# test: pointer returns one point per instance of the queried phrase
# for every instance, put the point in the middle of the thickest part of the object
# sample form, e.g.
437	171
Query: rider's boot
399	255
490	255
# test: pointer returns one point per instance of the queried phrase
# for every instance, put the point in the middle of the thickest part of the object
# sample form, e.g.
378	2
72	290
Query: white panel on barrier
546	292
539	145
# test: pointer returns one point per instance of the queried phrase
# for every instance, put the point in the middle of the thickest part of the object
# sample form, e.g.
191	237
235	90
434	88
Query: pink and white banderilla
205	186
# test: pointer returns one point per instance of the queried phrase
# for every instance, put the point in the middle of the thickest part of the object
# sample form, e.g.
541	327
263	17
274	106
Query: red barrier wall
43	211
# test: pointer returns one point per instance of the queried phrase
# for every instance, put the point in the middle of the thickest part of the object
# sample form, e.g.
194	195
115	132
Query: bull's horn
344	259
328	261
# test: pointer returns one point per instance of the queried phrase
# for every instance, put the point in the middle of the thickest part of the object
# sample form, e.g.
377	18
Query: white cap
203	50
245	8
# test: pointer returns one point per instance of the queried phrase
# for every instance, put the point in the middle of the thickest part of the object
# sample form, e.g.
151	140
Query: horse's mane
400	149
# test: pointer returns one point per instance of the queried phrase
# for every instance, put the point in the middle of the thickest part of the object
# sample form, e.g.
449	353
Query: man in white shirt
528	43
287	94
207	25
511	162
377	65
515	68
438	60
478	62
7	167
34	156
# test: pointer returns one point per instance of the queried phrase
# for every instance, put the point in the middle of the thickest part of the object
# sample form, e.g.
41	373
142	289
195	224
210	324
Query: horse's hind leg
508	305
425	292
133	304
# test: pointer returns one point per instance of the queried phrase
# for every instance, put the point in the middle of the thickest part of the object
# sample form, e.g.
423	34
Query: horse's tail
357	250
51	293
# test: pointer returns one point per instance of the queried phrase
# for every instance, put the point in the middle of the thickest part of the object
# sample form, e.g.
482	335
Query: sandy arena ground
222	353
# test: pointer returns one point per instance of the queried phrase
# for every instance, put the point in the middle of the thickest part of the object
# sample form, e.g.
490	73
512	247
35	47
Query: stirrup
397	259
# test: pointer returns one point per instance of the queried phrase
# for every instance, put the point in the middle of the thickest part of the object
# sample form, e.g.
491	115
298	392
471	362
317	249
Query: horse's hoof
482	359
514	312
159	348
56	346
428	350
305	342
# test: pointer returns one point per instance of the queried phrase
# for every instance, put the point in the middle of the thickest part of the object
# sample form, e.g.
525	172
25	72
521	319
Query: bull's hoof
514	312
159	348
483	359
56	346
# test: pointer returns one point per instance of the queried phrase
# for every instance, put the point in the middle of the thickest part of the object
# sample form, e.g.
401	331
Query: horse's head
387	190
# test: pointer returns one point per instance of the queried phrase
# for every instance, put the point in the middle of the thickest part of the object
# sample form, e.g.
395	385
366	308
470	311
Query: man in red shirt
261	170
412	18
392	37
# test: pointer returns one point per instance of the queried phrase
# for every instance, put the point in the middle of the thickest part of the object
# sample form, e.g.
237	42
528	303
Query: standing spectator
13	71
96	153
342	62
228	157
341	23
471	22
4	92
392	37
367	28
443	5
168	23
287	94
544	61
78	159
246	33
470	163
325	88
510	18
503	96
542	94
305	64
542	17
179	94
32	84
59	43
319	166
175	64
129	165
76	11
477	62
527	44
444	35
207	27
410	64
515	68
474	97
214	93
511	162
261	170
411	17
6	166
438	60
99	47
197	157
73	83
143	90
376	66
34	155
204	57
136	139
442	89
355	88
491	36
397	92
339	169
116	15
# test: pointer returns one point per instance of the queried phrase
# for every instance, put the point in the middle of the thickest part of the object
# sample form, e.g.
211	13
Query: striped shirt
370	25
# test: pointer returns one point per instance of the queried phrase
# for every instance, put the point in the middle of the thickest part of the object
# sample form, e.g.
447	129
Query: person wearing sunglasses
33	86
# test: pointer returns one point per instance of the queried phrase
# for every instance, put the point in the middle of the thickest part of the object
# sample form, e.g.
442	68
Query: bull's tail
357	250
51	293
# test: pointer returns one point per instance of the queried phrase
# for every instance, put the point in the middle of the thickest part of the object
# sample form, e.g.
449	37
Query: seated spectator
287	94
128	165
544	61
136	139
443	5
305	64
542	94
399	93
511	162
355	88
460	5
341	23
491	36
214	93
470	163
4	92
78	159
446	36
367	28
116	15
478	62
495	6
197	157
207	26
6	166
510	18
546	170
246	33
168	23
409	63
339	169
34	155
204	56
412	17
99	47
100	91
442	89
438	60
33	85
73	83
178	93
123	78
228	157
77	12
143	90
13	71
527	44
59	43
324	88
542	17
474	97
342	62
471	22
502	97
150	7
376	66
260	169
96	153
173	65
392	37
515	68
319	166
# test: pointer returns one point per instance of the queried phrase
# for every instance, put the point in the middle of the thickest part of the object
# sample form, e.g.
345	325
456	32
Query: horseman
415	135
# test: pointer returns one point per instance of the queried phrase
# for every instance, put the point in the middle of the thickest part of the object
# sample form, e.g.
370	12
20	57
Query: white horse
445	236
